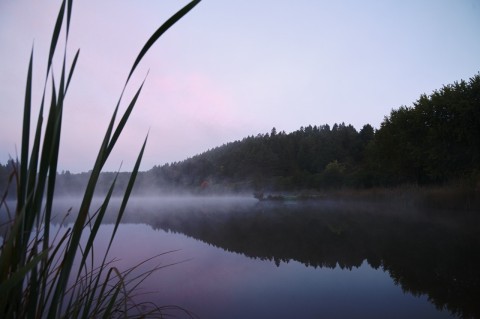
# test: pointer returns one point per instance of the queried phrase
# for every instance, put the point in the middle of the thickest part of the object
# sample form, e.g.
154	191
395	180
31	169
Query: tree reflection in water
425	252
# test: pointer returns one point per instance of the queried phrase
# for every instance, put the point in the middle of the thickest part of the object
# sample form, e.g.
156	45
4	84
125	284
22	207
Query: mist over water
142	208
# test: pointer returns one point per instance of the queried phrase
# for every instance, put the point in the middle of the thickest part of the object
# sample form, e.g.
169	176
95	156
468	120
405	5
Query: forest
436	141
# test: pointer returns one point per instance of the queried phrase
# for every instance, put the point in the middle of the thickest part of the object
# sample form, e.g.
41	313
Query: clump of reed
43	274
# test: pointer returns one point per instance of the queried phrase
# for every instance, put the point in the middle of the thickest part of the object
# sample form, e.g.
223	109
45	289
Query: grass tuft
52	275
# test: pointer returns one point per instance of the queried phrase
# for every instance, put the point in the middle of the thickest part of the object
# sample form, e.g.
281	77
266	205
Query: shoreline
450	197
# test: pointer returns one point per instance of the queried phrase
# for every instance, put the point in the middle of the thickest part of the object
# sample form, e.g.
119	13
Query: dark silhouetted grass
42	276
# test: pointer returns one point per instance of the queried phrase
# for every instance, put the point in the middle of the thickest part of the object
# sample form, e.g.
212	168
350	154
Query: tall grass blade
89	245
69	15
120	285
55	36
36	183
163	28
25	135
51	153
128	191
98	221
72	68
32	168
123	120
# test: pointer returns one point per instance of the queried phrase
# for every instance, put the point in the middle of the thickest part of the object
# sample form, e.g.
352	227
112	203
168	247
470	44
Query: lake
235	257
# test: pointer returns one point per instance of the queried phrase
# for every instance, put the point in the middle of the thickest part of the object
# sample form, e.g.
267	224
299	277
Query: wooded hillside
435	141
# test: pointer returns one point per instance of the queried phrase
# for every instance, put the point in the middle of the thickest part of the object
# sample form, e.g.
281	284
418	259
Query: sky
230	69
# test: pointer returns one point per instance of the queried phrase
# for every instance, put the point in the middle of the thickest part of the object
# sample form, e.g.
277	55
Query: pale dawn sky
230	69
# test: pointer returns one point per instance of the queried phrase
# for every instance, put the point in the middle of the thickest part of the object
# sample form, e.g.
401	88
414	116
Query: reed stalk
53	276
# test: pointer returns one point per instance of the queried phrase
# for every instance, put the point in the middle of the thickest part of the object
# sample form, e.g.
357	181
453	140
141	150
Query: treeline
434	142
311	157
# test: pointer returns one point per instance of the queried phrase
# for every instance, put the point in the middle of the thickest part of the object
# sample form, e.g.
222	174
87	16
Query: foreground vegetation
46	274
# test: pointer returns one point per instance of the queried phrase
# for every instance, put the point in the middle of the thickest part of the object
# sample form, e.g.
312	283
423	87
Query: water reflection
430	253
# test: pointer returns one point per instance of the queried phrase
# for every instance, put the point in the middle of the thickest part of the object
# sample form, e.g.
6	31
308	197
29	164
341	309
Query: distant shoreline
451	197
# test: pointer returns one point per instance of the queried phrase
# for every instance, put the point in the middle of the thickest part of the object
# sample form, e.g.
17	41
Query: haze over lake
236	257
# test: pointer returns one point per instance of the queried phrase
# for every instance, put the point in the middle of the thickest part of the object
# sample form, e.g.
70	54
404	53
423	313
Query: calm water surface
238	258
